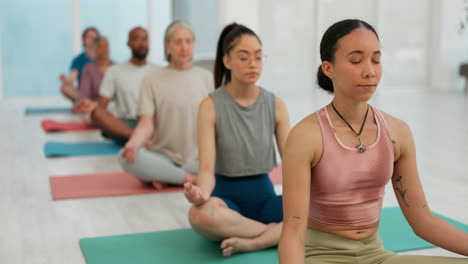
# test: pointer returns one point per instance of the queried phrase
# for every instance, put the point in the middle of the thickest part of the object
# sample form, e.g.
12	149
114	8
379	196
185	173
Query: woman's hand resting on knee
194	194
129	151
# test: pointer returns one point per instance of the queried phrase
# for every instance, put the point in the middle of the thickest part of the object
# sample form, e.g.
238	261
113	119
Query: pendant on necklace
361	146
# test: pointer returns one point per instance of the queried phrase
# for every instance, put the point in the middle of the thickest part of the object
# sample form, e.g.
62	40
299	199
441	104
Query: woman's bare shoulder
396	126
400	134
307	132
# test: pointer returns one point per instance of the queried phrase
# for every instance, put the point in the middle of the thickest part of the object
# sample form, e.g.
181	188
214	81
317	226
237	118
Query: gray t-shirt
121	83
244	135
171	97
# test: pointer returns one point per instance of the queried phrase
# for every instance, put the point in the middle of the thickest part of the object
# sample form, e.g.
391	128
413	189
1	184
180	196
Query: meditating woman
233	198
338	160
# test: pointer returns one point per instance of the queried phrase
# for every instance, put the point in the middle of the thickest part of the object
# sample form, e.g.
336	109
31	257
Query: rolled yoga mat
49	125
31	110
111	184
185	246
60	149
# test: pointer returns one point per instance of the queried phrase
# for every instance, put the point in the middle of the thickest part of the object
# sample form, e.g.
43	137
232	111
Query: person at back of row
93	74
115	111
68	82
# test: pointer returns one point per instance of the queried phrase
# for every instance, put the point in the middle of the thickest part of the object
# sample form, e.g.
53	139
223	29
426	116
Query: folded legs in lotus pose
233	200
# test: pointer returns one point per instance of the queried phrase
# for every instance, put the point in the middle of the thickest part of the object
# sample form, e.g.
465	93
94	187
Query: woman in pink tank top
338	160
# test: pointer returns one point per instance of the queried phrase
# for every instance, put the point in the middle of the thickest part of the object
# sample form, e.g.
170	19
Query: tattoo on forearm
296	217
400	190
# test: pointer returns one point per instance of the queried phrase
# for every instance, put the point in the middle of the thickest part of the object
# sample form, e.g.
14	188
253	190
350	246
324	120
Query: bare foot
159	185
234	245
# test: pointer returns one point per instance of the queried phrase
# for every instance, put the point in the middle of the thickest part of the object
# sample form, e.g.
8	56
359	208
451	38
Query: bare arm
103	101
299	155
68	85
206	145
206	154
142	132
282	126
410	195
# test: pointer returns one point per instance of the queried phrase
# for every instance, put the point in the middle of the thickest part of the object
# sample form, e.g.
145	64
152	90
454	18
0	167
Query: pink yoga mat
100	184
112	184
276	175
49	125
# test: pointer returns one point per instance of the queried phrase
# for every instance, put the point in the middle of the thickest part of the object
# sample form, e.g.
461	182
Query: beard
140	54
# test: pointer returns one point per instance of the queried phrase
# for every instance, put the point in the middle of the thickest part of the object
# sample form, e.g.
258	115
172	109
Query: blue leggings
251	196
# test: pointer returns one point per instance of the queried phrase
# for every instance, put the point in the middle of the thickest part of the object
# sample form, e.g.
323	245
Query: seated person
338	160
68	82
168	107
121	86
92	75
233	200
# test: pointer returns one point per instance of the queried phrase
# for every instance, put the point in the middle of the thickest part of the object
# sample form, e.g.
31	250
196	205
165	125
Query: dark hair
88	29
328	46
83	35
227	40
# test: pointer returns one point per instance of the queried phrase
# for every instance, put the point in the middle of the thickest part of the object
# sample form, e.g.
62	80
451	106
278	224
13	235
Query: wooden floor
35	229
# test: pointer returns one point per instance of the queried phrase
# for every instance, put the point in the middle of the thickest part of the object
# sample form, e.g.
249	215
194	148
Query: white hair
170	32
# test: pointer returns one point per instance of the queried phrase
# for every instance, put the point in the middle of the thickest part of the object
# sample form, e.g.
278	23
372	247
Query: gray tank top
244	135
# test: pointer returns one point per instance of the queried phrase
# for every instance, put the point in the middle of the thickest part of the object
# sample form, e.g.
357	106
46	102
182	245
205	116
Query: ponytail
226	42
220	71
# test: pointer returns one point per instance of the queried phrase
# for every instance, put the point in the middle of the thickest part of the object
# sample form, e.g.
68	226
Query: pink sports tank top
347	187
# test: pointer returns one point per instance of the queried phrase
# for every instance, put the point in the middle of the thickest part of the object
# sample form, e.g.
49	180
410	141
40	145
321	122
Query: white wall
421	40
289	41
159	14
406	43
1	68
244	12
208	17
76	29
450	45
292	33
203	15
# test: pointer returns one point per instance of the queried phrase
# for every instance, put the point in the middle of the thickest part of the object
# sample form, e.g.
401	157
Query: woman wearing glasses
233	200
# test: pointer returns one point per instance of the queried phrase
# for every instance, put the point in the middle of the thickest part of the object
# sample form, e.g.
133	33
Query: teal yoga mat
185	246
175	247
47	109
397	234
60	149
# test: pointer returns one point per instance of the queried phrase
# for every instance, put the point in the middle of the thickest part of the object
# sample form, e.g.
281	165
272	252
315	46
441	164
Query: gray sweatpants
151	166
